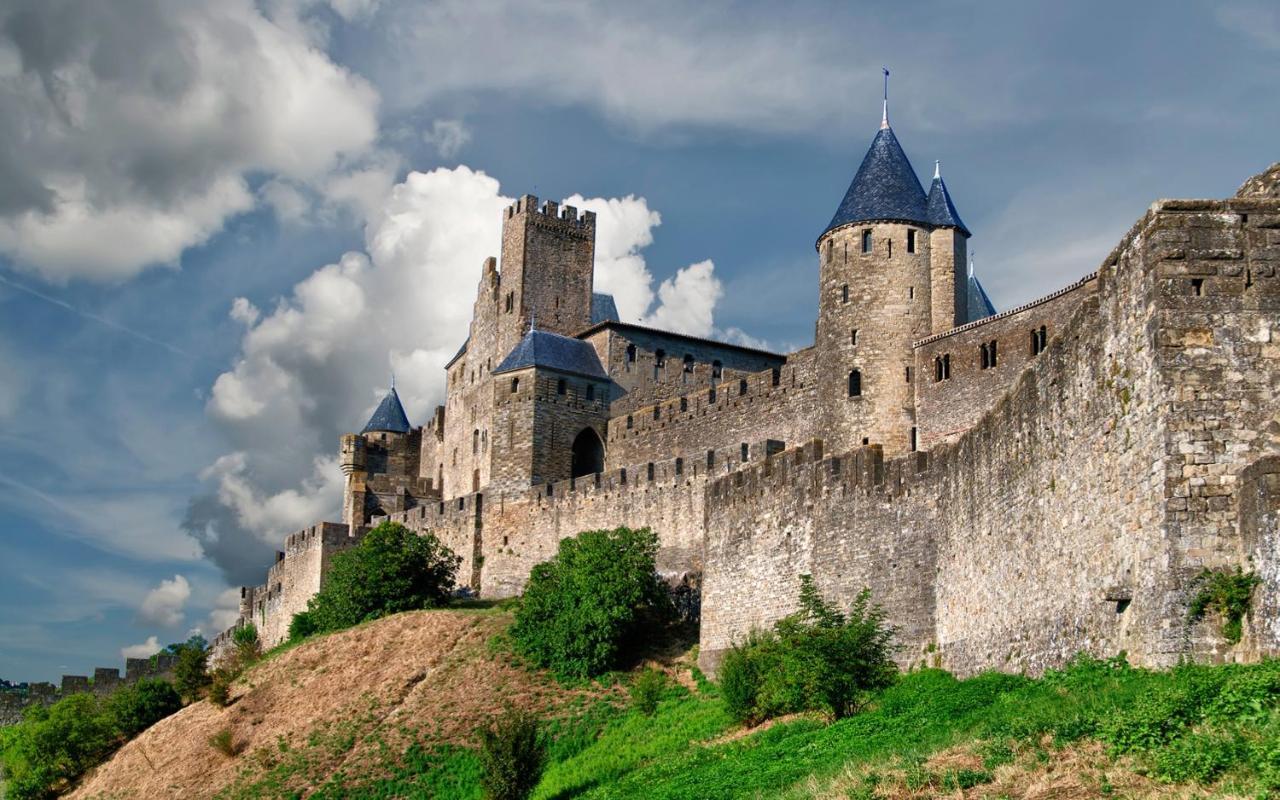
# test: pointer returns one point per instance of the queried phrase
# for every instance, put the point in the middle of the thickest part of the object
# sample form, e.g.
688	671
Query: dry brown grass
1076	772
425	676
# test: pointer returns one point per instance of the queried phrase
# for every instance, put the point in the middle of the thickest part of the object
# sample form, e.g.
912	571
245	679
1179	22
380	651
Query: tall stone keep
548	255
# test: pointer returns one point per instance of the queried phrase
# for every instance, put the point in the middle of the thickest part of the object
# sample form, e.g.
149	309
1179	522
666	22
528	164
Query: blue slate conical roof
942	212
389	416
885	188
553	351
980	306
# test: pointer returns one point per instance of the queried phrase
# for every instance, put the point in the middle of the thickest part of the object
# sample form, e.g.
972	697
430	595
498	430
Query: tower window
630	422
511	301
853	337
657	412
515	385
688	362
716	370
911	293
844	293
914	439
942	367
679	466
776	376
475	442
591	391
908	373
855	383
866	241
1197	286
711	395
631	354
711	458
911	241
561	387
746	453
742	387
984	357
684	404
991	351
660	358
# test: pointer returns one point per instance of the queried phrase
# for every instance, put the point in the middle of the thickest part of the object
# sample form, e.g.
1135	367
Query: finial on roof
971	252
884	117
393	380
937	170
533	320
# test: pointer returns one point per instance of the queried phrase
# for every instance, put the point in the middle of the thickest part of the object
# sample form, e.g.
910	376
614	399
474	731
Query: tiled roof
553	351
885	188
389	416
603	309
458	354
942	212
980	306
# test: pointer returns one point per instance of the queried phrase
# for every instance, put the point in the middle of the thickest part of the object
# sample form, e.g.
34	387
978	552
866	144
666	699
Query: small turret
949	285
352	456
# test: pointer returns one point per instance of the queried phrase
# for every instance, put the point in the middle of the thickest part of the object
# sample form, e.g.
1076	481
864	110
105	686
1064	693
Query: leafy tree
55	744
301	626
392	569
191	672
247	645
819	658
513	753
588	604
135	708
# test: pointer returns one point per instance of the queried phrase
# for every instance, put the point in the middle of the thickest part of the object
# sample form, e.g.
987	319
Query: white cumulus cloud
145	650
127	137
165	604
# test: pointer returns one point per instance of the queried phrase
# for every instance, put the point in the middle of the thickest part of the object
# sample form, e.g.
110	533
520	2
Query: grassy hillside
389	710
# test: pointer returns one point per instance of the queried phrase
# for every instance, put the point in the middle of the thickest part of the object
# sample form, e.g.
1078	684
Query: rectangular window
911	241
866	241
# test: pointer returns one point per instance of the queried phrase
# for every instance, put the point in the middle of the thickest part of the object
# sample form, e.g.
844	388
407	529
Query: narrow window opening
742	387
908	373
844	293
745	452
946	367
716	370
889	244
984	360
475	442
855	383
684	404
557	301
914	434
711	458
776	376
1248	278
591	391
911	293
631	354
515	385
505	540
866	241
651	470
911	241
660	358
853	337
992	349
688	362
630	422
865	440
711	395
657	412
679	466
1197	286
561	386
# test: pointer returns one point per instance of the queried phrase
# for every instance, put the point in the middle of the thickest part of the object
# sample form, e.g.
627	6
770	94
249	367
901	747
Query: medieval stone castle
1013	487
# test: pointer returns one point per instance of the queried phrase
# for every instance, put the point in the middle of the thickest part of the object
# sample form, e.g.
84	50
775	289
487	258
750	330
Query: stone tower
948	255
875	299
381	465
548	257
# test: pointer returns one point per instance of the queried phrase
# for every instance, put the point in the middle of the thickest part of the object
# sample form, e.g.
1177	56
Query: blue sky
223	224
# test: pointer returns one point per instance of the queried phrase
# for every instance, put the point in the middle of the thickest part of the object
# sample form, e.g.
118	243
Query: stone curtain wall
1074	513
105	681
947	408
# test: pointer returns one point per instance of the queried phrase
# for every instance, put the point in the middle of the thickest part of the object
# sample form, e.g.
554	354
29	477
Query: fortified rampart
1136	450
105	680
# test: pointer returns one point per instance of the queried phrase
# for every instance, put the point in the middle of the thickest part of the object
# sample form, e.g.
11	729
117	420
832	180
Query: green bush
53	745
223	742
135	708
191	672
513	753
586	607
646	691
392	569
247	645
1226	593
816	659
301	626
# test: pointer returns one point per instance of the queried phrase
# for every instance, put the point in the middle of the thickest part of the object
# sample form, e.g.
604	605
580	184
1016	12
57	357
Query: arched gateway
588	453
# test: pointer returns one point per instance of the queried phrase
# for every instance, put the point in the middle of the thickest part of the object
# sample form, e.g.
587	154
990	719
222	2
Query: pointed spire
884	116
937	170
942	212
389	416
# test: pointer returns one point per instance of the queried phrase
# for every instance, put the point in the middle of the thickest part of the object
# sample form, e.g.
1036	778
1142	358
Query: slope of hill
389	710
342	705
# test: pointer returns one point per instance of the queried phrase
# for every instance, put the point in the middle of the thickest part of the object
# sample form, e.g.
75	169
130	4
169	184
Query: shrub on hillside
586	606
816	659
191	671
301	626
248	647
646	691
392	569
53	745
136	708
513	753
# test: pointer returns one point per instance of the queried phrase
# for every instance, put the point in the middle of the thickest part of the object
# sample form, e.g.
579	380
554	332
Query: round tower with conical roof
880	290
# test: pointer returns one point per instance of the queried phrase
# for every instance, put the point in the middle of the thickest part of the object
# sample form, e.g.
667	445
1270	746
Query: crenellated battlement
550	212
106	680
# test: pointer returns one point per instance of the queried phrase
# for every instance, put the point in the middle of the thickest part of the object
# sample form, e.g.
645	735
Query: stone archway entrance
588	453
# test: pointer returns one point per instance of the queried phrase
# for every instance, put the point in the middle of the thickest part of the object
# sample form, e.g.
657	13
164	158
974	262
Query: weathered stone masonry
1012	487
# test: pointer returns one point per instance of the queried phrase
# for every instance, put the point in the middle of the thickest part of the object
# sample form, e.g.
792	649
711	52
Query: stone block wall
945	408
15	699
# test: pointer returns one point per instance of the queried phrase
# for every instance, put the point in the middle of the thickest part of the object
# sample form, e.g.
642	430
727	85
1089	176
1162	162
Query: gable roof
553	351
389	416
885	187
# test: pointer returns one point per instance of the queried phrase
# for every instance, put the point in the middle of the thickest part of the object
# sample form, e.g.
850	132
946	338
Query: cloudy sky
223	223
